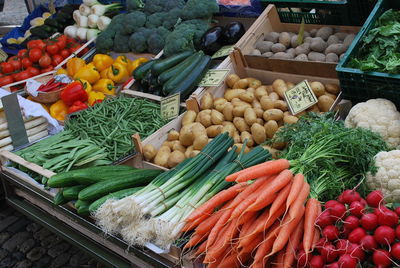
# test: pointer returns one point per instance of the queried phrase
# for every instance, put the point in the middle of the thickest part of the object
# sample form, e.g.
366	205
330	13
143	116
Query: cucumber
168	74
116	195
141	71
78	203
71	193
97	190
59	198
187	86
165	64
83	208
184	74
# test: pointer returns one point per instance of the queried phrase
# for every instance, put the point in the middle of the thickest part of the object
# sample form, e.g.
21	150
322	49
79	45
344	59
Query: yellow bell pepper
118	73
88	73
102	61
104	73
59	110
61	71
86	85
106	86
136	63
46	107
95	96
123	60
73	66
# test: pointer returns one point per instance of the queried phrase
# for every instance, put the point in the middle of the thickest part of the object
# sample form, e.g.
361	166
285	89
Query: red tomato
16	63
35	54
45	61
33	71
56	59
22	53
65	53
36	44
52	49
48	69
61	42
74	48
26	63
6	67
22	76
5	80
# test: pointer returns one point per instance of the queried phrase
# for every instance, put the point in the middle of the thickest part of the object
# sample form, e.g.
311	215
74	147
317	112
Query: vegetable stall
207	133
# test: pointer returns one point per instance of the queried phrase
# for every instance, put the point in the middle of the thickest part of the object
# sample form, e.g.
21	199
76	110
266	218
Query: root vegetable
290	85
204	118
186	135
341	35
189	117
250	116
173	135
214	131
293	41
264	46
313	32
175	158
284	39
274	96
200	142
149	152
239	148
219	104
256	104
374	198
246	135
318	45
324	33
318	88
348	40
216	117
231	80
290	119
162	156
258	133
268	54
301	57
280	87
272	37
315	56
260	92
239	110
281	105
325	103
267	103
227	111
206	101
178	147
333	39
271	127
230	129
291	51
233	93
335	48
272	151
236	137
247	97
240	124
259	112
278	47
189	151
302	49
255	52
254	83
332	88
308	40
282	56
332	57
241	83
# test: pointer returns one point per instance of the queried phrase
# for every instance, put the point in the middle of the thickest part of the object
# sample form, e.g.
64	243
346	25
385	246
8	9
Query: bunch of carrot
263	219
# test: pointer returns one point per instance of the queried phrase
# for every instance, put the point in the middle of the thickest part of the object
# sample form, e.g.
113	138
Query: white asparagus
30	132
34	121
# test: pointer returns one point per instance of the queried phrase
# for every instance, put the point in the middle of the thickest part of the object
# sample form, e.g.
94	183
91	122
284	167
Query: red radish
324	219
395	251
340	199
331	203
317	262
346	261
357	209
341	246
351	222
363	202
345	233
331	232
381	258
375	198
368	242
398	232
357	252
356	235
338	211
320	244
350	196
302	258
329	253
397	210
384	235
333	265
388	217
369	221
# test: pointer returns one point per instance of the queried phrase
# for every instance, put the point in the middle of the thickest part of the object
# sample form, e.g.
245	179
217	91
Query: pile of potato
318	45
248	110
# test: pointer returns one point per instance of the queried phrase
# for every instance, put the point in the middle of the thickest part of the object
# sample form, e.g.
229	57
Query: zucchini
59	198
165	64
116	195
97	190
184	74
141	71
88	175
78	203
168	74
71	193
83	208
187	85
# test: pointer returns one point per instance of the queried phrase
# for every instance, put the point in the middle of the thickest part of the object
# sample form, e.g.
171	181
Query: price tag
3	55
169	106
213	77
300	97
223	52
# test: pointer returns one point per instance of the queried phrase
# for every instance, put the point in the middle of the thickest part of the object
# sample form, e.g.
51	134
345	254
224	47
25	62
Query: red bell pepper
77	106
74	92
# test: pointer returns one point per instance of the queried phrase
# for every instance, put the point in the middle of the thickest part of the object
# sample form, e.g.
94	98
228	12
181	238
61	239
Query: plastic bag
240	8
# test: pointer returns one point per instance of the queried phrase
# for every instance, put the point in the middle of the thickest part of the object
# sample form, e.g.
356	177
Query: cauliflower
387	178
377	115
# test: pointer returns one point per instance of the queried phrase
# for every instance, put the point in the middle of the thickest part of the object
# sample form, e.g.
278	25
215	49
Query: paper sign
213	77
3	55
300	97
169	106
223	52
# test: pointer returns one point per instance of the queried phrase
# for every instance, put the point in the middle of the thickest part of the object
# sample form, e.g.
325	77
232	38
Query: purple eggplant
232	33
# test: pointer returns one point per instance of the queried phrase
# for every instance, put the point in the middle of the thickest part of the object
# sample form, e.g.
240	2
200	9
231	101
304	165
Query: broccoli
117	23
132	5
133	21
138	40
104	42
155	20
121	43
199	9
155	6
166	19
156	40
172	18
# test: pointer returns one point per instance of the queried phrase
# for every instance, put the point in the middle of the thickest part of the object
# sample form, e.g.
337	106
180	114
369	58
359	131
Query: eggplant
232	33
211	41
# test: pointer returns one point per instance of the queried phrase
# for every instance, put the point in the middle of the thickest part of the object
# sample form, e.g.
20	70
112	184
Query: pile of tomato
41	56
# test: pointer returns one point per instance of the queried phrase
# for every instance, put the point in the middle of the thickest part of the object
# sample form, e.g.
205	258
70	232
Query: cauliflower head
387	178
379	116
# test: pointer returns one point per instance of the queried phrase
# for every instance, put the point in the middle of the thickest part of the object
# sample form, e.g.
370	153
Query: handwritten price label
169	106
300	98
213	78
223	52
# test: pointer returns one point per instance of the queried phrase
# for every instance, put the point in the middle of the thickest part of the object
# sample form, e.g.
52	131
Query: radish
330	204
329	253
363	202
381	258
341	246
317	262
324	219
369	221
340	199
357	252
397	210
356	235
368	242
302	258
375	198
351	222
338	211
346	261
388	217
333	265
350	196
320	244
398	232
384	235
331	232
395	251
357	209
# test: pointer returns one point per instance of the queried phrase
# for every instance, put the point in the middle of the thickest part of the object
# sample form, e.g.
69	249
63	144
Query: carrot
293	244
215	250
258	238
237	212
266	245
193	224
310	216
267	168
209	223
201	249
316	237
248	217
299	202
218	227
280	258
259	264
231	261
298	182
274	186
195	239
280	199
217	200
219	260
249	226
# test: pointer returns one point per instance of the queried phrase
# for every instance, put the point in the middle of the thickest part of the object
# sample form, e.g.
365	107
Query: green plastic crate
359	86
344	12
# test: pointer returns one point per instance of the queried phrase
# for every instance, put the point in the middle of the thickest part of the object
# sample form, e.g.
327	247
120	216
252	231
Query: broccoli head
121	43
105	42
138	40
156	40
155	6
199	9
166	19
117	22
132	5
133	21
155	20
172	18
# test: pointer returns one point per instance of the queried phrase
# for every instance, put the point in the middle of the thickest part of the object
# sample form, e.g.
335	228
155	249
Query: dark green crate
344	12
359	86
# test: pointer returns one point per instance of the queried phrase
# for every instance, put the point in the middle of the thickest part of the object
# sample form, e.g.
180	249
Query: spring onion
71	31
81	33
84	10
92	20
101	10
91	33
75	15
103	22
83	22
90	3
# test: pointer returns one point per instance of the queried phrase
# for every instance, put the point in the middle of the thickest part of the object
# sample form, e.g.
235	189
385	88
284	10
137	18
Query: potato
318	88
293	41
335	48
216	117
272	37
348	40
282	56
332	57
219	104
291	51
230	129
342	56
227	111
290	119
333	39
194	153
301	57
233	93
284	39
214	131
240	124
313	32
307	40
258	133
274	152
324	33
178	147
239	110
300	114
205	118
189	151
207	101
189	117
259	112
318	45
325	102
173	135
175	158
162	156
274	96
250	116
333	96
149	152
256	104
268	54
332	88
260	92
251	90
200	142
264	46
279	87
302	49
315	56
255	52
247	97
341	35
290	85
246	135
168	144
231	79
281	105
270	128
269	89
239	147
254	83
278	48
279	145
198	129
313	108
241	83
186	136
236	137
267	103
